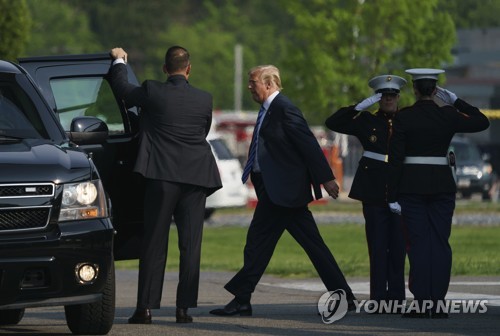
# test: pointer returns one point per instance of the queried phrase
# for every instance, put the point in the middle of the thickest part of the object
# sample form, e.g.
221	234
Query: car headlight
84	200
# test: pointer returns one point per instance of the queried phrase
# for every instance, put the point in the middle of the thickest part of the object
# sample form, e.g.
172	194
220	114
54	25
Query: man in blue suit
284	161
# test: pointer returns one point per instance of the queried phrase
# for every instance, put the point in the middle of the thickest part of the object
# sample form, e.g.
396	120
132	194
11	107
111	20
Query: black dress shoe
141	316
234	308
351	306
181	316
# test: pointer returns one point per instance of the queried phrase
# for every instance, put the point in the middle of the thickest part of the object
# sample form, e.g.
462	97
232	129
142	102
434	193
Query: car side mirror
88	130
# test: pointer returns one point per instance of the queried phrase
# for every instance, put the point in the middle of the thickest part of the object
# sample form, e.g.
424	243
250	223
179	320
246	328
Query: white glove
446	96
364	104
395	208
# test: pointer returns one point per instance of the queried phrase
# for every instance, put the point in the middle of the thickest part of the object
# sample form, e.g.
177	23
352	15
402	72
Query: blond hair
267	74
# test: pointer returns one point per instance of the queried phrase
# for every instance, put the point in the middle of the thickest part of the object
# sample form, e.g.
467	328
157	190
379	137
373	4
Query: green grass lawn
351	206
475	251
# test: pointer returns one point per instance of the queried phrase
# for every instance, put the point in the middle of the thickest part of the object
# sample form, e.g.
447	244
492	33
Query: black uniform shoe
234	308
141	316
181	316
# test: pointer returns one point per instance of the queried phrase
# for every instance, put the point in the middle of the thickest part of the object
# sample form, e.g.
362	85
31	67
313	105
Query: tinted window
86	96
18	115
220	149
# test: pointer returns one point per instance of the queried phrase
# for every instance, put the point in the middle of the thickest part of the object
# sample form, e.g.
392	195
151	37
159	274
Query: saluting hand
366	103
446	96
332	188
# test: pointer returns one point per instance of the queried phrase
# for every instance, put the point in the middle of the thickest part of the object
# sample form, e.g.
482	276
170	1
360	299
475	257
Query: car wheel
11	316
94	318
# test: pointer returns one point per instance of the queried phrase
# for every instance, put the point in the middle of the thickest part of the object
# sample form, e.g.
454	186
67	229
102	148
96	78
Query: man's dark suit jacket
290	158
175	121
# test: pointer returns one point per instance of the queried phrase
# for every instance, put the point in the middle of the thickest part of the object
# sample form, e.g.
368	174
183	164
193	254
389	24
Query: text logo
332	306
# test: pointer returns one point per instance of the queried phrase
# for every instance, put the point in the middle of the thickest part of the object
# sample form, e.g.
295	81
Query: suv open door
77	85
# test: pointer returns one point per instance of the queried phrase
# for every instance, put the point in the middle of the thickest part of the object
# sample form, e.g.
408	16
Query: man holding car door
180	172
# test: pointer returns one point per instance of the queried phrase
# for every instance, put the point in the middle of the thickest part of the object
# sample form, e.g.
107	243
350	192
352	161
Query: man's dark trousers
268	224
186	203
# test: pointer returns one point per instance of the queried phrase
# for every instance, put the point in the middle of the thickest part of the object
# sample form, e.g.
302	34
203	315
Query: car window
18	115
466	152
86	96
221	150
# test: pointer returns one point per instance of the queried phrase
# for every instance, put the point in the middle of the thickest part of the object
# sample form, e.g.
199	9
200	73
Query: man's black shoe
234	308
181	316
351	306
141	316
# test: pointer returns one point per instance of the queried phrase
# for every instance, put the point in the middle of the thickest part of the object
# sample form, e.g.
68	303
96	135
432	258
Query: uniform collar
385	115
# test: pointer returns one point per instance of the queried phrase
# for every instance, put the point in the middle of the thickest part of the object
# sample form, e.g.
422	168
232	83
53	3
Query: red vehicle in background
237	129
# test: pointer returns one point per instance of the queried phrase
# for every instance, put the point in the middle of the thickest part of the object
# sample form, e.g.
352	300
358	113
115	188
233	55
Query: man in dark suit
422	186
384	231
284	160
180	172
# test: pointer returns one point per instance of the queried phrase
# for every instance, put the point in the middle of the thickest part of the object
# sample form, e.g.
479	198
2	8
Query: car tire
11	316
94	318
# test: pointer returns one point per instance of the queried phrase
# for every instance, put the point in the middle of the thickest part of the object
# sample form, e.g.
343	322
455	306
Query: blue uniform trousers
427	222
386	250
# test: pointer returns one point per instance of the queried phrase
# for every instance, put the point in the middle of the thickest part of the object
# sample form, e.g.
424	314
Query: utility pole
238	73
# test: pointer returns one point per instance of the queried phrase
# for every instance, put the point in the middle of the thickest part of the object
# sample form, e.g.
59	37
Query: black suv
474	172
69	202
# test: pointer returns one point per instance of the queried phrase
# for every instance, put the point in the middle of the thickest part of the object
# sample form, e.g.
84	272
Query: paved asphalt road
281	307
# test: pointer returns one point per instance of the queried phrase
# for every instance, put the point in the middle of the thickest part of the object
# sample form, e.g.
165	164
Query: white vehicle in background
233	192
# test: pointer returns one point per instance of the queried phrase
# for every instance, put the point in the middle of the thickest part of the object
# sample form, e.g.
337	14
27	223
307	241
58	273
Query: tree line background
327	50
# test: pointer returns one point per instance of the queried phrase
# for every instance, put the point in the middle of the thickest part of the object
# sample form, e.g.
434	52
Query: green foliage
472	13
327	50
339	45
59	28
15	27
211	42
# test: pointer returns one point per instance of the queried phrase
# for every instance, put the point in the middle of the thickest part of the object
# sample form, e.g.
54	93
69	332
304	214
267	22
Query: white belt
430	160
376	156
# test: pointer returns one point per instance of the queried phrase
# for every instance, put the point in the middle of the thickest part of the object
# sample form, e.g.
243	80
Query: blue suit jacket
290	158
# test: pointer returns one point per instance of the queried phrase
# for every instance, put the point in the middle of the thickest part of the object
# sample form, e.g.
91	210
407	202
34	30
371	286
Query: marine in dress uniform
384	235
422	186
